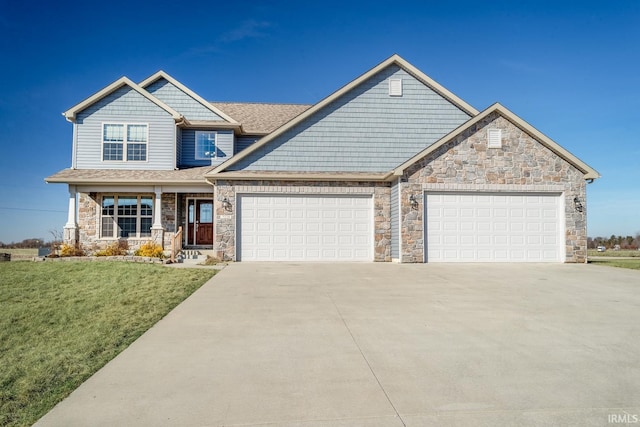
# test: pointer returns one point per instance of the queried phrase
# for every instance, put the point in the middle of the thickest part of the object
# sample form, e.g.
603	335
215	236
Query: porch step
193	256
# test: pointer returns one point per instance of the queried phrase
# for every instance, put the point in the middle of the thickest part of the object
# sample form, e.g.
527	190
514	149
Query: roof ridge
259	103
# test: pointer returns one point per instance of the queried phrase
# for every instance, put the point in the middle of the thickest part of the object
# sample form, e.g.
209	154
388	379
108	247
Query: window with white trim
205	145
126	216
124	142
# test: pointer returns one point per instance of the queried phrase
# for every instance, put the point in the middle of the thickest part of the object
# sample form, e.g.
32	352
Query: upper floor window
126	142
205	145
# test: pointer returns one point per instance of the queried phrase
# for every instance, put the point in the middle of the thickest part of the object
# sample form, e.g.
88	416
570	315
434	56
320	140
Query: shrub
121	247
150	249
211	261
70	250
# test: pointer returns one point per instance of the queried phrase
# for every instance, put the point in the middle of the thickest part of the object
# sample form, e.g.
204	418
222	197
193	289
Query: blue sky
568	68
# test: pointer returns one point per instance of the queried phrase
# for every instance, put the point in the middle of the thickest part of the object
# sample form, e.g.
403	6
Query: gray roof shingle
191	175
261	118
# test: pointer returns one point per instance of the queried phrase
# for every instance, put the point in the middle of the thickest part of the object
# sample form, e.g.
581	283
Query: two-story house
392	166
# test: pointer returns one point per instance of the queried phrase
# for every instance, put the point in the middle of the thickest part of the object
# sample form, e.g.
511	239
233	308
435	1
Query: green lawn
622	263
612	253
62	321
20	254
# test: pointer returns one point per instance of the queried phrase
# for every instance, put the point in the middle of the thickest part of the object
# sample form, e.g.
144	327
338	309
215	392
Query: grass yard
62	321
20	254
612	253
622	263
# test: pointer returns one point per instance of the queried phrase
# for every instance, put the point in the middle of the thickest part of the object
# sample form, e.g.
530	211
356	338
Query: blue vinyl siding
125	105
180	101
395	216
224	148
365	130
245	141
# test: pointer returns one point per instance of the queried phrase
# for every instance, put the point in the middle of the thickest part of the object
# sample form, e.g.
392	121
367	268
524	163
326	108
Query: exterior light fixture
413	202
226	204
578	204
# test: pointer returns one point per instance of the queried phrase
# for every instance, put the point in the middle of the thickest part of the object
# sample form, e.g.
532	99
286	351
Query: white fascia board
588	171
394	59
70	114
162	75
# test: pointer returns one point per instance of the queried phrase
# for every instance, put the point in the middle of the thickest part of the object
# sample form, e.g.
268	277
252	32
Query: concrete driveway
302	345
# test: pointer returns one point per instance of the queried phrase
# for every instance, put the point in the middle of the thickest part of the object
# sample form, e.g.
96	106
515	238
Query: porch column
70	234
157	232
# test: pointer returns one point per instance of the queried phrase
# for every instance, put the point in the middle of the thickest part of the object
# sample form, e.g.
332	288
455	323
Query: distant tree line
35	242
620	242
25	244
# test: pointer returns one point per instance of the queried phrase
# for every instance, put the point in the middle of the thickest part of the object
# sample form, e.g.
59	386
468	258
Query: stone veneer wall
89	226
225	221
168	213
88	210
466	164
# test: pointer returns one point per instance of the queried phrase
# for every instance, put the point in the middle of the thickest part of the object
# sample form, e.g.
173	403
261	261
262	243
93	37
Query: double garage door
498	227
459	227
305	228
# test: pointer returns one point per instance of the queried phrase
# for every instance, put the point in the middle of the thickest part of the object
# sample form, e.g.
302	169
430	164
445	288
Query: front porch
171	217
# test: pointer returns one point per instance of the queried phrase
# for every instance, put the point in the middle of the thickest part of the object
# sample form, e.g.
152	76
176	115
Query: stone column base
157	235
70	235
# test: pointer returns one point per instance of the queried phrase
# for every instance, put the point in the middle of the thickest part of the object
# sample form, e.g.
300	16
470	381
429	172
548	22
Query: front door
200	222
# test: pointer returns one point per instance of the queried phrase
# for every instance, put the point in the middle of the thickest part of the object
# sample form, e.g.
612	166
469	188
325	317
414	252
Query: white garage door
488	227
305	228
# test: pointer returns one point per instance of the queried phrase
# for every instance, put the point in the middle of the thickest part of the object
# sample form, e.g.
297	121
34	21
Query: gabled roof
394	59
589	172
261	118
162	75
71	113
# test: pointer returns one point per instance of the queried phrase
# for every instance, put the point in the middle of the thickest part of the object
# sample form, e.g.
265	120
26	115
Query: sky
569	68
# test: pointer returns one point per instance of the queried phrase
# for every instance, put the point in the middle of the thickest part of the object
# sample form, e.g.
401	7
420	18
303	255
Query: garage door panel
482	240
483	213
467	240
492	227
263	227
516	227
467	225
449	226
516	240
262	213
345	227
280	226
305	228
280	240
499	226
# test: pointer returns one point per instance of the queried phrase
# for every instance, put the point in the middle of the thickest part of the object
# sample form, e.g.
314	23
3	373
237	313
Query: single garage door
305	228
493	227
